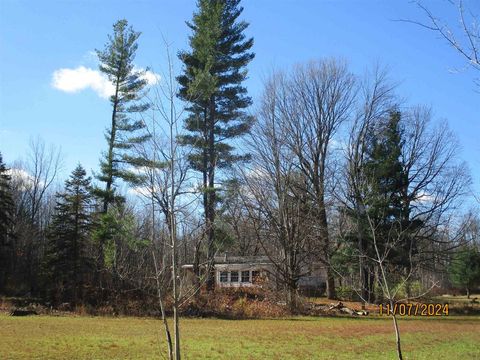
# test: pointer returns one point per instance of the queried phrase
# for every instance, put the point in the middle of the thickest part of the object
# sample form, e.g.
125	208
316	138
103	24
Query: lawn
70	337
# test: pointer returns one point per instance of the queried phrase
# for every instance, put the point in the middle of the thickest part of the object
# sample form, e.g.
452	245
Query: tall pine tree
382	199
214	70
68	261
385	175
388	194
6	214
116	61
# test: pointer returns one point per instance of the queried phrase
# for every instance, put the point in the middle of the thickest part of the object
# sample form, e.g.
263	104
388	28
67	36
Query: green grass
48	337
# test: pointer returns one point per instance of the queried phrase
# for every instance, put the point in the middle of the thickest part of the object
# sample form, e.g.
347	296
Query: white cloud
81	78
21	177
151	77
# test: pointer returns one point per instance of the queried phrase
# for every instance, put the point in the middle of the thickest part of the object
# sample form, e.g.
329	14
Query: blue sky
38	38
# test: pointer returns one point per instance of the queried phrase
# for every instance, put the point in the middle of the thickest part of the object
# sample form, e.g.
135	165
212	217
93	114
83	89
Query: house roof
227	259
224	260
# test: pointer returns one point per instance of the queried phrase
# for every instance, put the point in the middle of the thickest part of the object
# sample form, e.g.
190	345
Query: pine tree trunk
111	144
108	187
211	195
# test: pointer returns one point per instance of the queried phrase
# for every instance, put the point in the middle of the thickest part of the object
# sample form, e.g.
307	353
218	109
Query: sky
50	86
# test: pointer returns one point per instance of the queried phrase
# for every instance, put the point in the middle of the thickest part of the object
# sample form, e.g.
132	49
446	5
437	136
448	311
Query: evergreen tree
6	214
385	175
68	261
214	70
116	61
382	199
388	199
464	269
118	229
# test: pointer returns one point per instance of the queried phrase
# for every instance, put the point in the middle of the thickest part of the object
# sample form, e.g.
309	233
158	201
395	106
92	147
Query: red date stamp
416	309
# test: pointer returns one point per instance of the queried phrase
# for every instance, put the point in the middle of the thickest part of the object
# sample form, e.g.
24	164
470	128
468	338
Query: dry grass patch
46	337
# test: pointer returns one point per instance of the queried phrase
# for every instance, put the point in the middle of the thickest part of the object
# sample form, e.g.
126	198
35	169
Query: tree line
329	169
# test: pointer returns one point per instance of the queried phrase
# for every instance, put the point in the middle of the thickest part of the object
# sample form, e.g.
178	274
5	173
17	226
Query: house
247	271
235	271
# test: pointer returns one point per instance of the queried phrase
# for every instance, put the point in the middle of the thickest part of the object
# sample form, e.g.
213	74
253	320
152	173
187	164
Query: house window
224	276
255	276
245	276
234	276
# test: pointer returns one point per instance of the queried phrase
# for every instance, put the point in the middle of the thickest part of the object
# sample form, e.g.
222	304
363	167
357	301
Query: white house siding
262	269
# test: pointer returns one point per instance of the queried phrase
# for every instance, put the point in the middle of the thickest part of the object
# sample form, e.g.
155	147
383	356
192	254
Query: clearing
77	337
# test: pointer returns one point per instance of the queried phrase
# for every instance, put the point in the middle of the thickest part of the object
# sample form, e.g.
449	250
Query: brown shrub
238	303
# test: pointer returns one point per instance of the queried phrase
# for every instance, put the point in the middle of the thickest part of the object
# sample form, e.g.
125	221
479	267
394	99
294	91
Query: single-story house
246	271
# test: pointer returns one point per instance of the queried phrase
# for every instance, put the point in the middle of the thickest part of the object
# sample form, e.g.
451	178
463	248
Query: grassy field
48	337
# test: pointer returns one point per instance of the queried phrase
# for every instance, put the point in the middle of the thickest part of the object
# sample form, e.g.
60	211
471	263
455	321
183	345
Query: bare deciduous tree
313	102
464	37
43	166
33	182
166	184
273	197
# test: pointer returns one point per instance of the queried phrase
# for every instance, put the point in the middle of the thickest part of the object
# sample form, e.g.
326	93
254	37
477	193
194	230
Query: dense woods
334	168
328	169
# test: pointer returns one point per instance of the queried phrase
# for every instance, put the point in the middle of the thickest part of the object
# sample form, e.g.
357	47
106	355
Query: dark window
224	276
245	276
255	276
234	276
